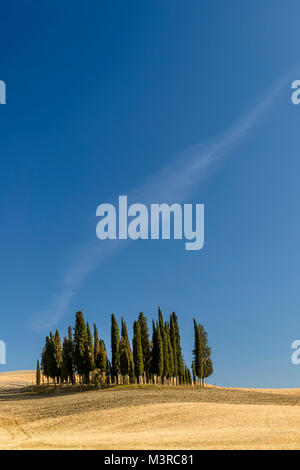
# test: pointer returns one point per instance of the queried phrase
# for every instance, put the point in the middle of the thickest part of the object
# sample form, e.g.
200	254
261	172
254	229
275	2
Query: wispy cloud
173	183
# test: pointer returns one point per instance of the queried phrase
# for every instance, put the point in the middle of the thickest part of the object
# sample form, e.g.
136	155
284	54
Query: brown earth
146	417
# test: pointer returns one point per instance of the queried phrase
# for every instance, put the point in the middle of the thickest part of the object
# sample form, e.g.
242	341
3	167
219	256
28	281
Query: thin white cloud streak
173	183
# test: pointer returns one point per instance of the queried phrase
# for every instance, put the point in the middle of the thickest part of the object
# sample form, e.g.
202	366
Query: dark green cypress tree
178	357
137	350
160	352
208	368
124	358
96	348
174	344
198	352
45	362
49	366
154	351
186	375
57	348
115	347
90	362
146	344
164	343
160	320
124	335
189	377
170	351
103	358
206	354
67	358
194	373
108	370
48	358
157	351
80	345
38	373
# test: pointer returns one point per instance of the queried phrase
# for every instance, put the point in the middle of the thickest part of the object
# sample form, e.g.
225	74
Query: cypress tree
96	348
80	345
38	373
157	351
206	354
45	362
146	345
108	370
194	373
90	362
67	358
57	348
170	351
48	358
64	369
137	350
174	345
158	359
160	352
178	351
124	358
164	343
189	376
198	352
154	351
103	359
124	335
208	368
186	375
160	320
115	346
49	365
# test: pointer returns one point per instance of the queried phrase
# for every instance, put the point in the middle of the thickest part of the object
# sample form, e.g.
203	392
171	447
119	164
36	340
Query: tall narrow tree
90	361
124	335
146	344
80	345
57	347
206	354
157	351
38	373
96	348
194	373
198	352
164	343
170	351
178	354
173	339
67	358
137	350
102	358
115	347
124	358
46	359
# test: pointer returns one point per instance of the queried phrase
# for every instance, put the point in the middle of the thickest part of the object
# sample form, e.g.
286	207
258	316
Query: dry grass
147	418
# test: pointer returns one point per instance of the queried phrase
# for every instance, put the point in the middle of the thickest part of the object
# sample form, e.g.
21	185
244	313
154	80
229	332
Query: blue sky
100	98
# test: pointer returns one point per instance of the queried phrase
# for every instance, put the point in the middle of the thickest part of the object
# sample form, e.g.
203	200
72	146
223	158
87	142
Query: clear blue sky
101	96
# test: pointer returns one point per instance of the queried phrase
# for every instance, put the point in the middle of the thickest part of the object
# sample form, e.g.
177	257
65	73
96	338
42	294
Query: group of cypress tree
83	356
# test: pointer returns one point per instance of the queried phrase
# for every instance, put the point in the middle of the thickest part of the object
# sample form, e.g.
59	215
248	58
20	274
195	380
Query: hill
147	417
